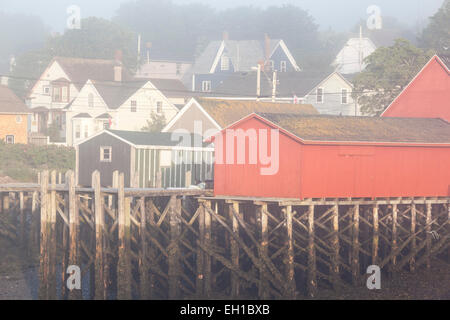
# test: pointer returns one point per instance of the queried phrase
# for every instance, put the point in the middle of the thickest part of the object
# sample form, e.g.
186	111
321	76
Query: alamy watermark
73	21
375	21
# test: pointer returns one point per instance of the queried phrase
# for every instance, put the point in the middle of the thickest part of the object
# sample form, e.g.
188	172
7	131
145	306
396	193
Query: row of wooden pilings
185	243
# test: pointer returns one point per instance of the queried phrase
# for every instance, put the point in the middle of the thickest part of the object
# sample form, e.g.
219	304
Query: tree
97	39
437	34
388	71
156	124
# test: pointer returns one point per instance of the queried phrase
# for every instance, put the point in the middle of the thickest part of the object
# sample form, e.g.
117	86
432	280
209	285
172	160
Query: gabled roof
244	54
80	70
288	84
171	88
363	129
10	103
104	116
442	60
116	93
161	139
224	112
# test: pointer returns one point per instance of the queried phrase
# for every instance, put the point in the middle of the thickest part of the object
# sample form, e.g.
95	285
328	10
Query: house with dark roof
332	157
328	93
13	117
121	106
220	59
147	159
205	116
428	93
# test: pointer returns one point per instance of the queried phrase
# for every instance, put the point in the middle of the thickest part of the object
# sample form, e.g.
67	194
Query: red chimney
225	36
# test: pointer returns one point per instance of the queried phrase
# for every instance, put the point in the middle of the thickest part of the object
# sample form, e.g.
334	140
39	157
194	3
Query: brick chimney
118	66
225	36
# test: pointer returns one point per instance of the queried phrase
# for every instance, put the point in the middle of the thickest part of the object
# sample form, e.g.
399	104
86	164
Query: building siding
10	126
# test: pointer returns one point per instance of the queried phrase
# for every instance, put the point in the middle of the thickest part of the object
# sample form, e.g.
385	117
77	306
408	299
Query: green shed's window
105	154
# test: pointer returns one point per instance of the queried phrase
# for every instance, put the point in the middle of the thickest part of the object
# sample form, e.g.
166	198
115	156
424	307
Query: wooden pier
184	243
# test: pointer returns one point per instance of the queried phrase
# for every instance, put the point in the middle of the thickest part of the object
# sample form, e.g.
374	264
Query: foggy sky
339	15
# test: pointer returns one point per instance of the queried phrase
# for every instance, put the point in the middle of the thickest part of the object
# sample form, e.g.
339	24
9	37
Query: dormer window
224	63
60	91
283	66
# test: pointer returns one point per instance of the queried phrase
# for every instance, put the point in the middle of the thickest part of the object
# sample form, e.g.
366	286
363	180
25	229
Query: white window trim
322	95
224	66
347	92
283	66
10	136
161	105
204	82
102	154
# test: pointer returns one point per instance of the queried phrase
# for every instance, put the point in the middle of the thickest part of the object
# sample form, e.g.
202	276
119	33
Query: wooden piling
143	253
375	235
52	240
208	242
43	261
22	220
428	234
335	247
124	263
200	253
412	261
394	244
263	288
234	247
355	247
174	249
101	284
311	271
290	275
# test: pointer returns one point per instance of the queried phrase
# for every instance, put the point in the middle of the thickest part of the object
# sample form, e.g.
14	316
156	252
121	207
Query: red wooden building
427	95
327	156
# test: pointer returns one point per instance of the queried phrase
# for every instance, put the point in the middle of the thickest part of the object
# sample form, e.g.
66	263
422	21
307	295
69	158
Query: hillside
22	162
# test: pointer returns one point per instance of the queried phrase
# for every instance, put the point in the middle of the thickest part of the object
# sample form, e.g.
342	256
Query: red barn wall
374	171
246	180
321	171
428	96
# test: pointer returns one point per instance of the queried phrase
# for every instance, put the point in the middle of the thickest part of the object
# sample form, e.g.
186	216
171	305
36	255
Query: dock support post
355	247
234	206
43	259
375	236
290	275
174	250
263	288
335	247
200	254
143	253
101	284
412	262
428	235
207	266
312	272
124	263
74	231
52	240
22	219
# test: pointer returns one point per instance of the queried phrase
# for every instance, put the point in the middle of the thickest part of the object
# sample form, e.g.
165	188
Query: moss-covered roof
226	112
363	129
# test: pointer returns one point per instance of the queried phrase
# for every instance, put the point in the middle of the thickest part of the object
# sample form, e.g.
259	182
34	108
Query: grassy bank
22	162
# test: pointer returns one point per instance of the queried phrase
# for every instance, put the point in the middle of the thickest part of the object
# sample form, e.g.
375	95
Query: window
206	86
77	131
178	68
106	124
19	119
133	106
56	94
91	100
344	96
64	94
159	107
10	139
60	93
224	63
105	154
283	66
271	65
86	131
46	90
319	95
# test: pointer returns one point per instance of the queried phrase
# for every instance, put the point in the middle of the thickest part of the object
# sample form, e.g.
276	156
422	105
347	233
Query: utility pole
258	82
360	49
274	86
